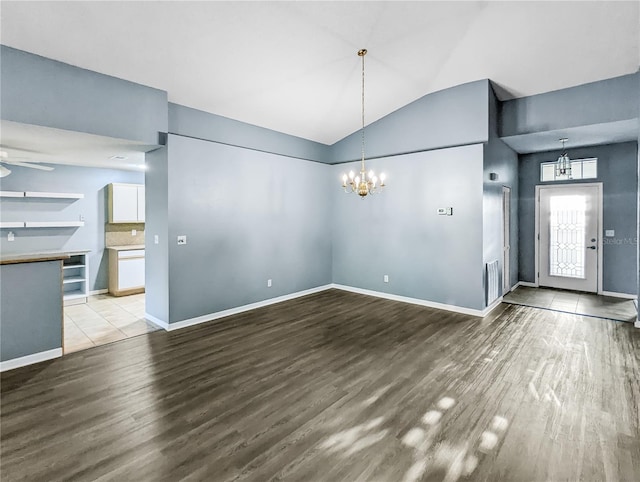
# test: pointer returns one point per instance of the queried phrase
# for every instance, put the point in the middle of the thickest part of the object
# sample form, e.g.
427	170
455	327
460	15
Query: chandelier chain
363	54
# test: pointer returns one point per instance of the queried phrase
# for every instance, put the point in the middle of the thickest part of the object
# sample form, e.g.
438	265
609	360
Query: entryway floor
104	319
580	303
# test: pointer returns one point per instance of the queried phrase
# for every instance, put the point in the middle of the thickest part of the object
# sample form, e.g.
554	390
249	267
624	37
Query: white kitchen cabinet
126	203
126	271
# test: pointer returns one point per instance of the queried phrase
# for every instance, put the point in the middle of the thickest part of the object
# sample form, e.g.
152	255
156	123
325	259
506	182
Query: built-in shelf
53	224
12	225
54	195
47	195
40	195
41	224
75	278
11	193
73	266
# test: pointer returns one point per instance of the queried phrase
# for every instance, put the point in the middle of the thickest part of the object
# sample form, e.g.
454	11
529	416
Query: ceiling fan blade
29	165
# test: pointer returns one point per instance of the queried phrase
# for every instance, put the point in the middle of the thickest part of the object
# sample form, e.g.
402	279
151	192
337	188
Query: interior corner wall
248	216
89	181
195	123
618	172
157	224
399	233
451	117
601	102
501	161
41	91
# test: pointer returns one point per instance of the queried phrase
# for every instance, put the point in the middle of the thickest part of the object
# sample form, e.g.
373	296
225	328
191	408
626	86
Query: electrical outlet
156	239
385	278
610	233
134	232
269	283
81	217
10	236
182	239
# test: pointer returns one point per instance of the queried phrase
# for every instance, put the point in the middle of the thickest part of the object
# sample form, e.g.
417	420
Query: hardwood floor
336	386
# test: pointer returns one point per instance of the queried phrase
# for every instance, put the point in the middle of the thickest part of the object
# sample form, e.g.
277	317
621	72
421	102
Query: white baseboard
527	284
157	321
232	311
252	306
491	307
615	294
30	359
98	292
416	301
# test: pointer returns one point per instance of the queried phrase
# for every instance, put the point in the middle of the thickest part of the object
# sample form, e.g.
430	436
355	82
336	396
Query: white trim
156	321
30	359
98	292
615	294
492	307
528	284
241	309
416	301
233	311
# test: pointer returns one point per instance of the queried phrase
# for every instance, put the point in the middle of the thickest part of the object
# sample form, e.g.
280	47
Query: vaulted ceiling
292	66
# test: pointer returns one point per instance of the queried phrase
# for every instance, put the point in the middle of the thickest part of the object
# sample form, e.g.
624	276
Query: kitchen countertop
123	248
39	256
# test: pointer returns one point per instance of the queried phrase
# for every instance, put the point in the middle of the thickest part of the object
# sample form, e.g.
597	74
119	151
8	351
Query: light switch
610	233
156	239
385	278
182	239
133	232
10	236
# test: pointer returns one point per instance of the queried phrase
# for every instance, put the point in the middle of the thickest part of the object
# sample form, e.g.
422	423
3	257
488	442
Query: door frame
599	204
506	233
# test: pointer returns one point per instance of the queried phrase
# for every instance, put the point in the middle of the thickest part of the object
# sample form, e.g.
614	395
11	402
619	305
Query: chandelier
563	165
365	183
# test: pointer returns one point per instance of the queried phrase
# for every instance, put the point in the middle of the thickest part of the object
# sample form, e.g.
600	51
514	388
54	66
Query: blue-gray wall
399	233
37	90
617	170
189	122
248	216
502	161
603	102
157	224
92	183
26	327
447	118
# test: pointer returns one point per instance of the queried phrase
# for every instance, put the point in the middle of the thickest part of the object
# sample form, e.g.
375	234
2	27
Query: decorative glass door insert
567	224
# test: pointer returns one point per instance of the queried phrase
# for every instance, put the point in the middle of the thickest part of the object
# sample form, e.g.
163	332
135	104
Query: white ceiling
292	66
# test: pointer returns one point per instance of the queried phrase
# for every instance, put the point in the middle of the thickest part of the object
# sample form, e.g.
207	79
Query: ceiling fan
6	159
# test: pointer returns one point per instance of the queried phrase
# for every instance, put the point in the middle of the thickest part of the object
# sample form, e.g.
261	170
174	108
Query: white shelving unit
75	278
40	195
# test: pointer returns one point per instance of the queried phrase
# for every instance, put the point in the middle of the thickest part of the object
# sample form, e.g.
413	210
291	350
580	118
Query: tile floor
574	302
104	319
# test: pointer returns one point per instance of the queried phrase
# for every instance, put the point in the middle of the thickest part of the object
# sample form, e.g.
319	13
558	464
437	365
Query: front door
568	229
